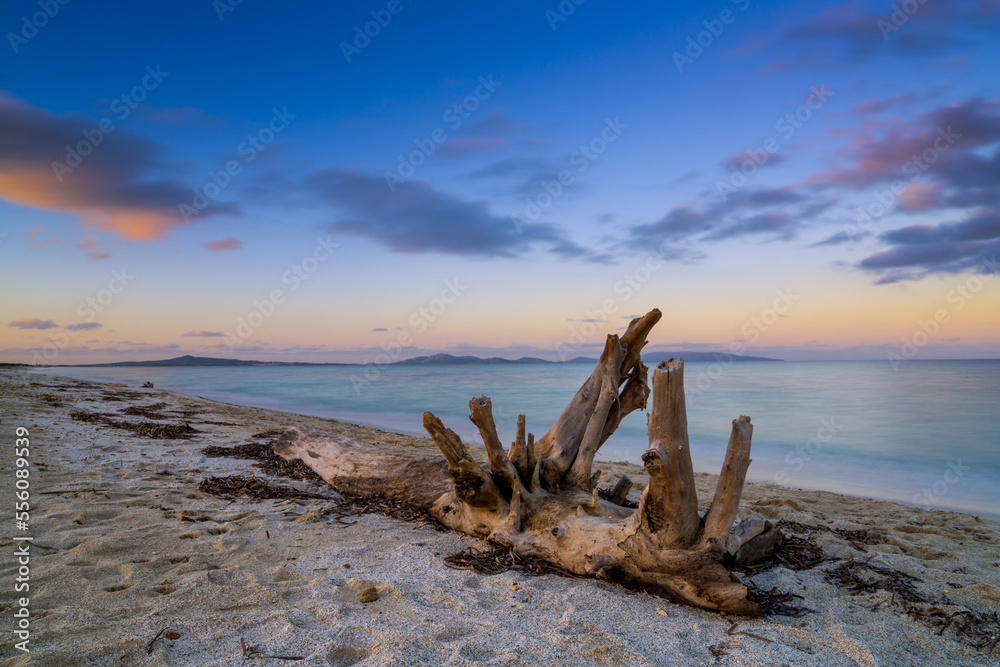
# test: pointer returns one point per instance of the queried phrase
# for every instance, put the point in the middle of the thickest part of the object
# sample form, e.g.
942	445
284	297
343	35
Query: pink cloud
228	243
874	106
43	242
920	196
907	149
205	334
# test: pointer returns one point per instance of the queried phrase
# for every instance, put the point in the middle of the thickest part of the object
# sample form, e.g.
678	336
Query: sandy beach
126	548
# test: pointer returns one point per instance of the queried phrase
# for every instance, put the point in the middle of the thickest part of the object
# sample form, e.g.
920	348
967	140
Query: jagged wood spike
634	339
473	485
519	454
504	474
633	396
670	502
580	472
531	465
559	446
720	516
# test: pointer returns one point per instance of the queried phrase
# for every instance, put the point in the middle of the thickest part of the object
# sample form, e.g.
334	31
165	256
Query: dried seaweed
121	395
857	538
981	631
257	651
144	429
792	552
267	460
349	505
52	400
250	488
499	559
147	411
774	602
864	577
269	434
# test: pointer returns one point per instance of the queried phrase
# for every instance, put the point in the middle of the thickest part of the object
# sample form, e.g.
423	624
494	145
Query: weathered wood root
540	498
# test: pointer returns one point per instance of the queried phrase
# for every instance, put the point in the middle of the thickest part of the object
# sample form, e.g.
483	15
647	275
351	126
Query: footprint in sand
163	589
117	588
450	634
342	655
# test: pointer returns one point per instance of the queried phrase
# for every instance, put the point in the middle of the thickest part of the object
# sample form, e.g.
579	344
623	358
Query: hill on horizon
431	360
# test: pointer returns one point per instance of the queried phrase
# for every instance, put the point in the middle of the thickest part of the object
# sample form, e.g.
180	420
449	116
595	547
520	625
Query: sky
367	183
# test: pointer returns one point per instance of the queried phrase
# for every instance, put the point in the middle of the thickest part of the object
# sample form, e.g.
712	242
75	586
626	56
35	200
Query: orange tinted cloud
109	178
228	243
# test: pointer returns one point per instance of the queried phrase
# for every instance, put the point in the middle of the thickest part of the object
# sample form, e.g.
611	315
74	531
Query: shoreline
707	458
126	546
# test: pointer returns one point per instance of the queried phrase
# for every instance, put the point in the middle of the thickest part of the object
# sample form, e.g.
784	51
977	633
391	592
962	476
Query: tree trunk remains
540	497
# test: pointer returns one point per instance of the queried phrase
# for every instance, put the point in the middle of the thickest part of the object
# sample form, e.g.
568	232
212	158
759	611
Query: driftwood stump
540	497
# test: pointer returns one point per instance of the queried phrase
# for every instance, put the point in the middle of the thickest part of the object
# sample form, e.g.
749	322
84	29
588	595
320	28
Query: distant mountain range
431	360
188	360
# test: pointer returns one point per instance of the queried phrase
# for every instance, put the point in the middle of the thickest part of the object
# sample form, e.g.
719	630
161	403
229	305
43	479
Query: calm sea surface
926	434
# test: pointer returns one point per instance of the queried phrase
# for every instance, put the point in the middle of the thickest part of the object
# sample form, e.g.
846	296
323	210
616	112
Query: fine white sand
132	548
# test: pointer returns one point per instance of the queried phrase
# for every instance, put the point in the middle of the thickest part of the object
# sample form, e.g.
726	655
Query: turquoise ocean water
926	434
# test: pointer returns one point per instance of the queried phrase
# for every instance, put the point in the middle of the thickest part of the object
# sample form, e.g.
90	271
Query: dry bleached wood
540	497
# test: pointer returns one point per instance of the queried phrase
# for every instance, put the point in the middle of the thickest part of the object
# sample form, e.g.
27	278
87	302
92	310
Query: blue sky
566	167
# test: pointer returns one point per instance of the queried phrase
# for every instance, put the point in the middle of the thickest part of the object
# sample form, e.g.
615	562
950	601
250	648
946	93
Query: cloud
417	218
920	197
680	222
946	158
43	242
118	186
205	334
841	237
32	323
463	146
778	212
919	250
910	150
228	243
877	106
849	31
739	159
379	329
513	166
779	223
487	134
83	326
